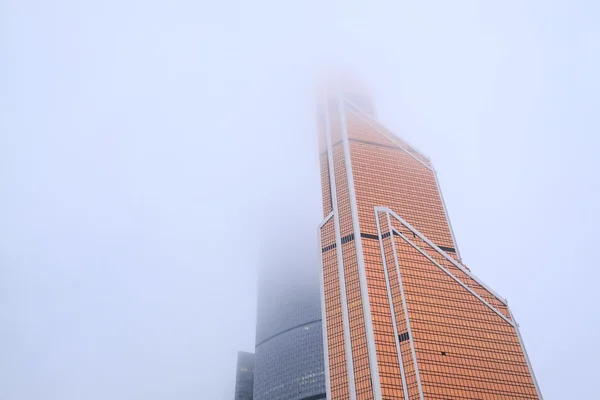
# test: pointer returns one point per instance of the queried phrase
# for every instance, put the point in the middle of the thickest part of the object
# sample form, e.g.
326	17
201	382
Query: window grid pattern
386	175
326	187
290	365
490	298
464	349
338	371
354	114
244	379
358	335
385	339
391	178
400	313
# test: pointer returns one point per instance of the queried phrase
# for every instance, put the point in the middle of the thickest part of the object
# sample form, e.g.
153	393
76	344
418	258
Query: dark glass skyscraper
289	337
244	379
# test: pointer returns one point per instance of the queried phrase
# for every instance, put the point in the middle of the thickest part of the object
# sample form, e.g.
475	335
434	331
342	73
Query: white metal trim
338	241
391	302
453	277
410	335
527	360
324	314
443	253
326	219
387	136
439	189
362	275
408	328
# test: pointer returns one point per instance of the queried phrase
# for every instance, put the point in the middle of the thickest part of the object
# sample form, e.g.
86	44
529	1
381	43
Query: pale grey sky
146	148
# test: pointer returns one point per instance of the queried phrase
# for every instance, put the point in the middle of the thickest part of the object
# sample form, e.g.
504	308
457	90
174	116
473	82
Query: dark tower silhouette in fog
289	337
244	378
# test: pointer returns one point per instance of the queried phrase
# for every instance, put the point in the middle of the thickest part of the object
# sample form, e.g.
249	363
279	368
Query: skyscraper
244	378
403	318
289	341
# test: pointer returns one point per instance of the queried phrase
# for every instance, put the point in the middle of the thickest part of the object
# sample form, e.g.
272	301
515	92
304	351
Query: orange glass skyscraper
403	318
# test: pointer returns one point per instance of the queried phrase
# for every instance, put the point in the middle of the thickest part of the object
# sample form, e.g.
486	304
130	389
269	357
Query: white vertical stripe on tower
410	335
324	312
362	274
338	241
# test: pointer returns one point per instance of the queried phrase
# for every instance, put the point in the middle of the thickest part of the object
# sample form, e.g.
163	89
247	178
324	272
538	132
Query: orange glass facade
403	318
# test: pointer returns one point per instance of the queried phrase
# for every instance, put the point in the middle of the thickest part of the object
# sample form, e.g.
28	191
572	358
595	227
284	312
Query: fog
151	153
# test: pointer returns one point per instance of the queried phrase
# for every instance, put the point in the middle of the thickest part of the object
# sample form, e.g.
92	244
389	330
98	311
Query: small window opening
403	337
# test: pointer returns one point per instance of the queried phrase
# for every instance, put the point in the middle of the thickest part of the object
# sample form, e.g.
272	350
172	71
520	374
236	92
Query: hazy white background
146	147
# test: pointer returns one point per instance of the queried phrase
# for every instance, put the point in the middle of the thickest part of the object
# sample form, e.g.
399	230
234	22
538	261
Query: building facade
403	318
289	341
244	378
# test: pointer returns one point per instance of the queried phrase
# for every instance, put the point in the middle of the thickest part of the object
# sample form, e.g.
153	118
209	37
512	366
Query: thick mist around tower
343	82
288	280
156	156
288	268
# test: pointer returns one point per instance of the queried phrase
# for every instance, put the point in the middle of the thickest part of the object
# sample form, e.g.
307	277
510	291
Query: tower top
342	83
